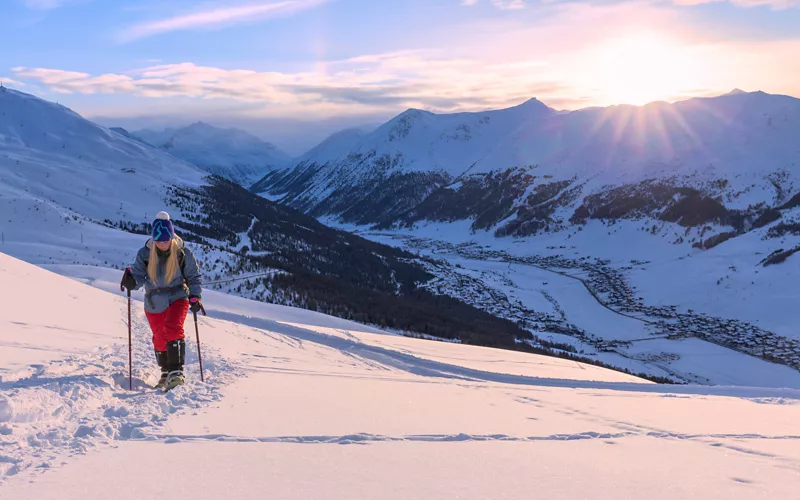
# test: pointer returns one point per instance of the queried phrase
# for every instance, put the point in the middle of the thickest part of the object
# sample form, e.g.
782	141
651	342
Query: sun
644	67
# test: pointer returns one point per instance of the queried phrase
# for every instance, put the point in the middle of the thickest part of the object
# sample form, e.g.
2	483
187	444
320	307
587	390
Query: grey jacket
159	296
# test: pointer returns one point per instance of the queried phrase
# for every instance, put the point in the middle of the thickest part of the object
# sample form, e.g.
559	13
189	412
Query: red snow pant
168	325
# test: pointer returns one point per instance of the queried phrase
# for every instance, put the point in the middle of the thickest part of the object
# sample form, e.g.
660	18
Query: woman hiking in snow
173	286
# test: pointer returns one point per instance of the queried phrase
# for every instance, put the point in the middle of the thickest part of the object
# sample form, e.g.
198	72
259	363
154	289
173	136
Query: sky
295	70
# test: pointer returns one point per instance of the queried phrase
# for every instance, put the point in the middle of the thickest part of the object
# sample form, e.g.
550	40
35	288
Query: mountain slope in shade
336	146
230	153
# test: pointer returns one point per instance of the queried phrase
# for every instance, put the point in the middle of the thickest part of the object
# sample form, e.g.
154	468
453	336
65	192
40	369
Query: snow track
52	410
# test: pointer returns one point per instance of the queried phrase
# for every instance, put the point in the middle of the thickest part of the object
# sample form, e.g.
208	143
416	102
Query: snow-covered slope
290	391
48	153
155	137
449	143
65	180
739	134
336	145
230	153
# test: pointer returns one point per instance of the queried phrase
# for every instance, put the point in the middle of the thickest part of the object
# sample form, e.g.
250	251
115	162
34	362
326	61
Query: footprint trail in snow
68	407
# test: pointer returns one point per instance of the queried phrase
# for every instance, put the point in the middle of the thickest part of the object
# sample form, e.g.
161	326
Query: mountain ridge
725	138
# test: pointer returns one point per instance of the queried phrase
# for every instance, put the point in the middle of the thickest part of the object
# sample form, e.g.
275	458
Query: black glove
195	304
128	281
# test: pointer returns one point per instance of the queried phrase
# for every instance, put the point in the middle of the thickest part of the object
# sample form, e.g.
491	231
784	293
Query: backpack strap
182	263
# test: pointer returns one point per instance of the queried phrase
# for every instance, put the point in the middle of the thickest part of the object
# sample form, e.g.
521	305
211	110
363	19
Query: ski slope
297	404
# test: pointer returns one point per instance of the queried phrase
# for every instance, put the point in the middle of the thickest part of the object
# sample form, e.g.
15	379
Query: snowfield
297	404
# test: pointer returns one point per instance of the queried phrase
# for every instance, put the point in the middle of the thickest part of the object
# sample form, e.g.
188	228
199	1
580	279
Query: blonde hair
172	262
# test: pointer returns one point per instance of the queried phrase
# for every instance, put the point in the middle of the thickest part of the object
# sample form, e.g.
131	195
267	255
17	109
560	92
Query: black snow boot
161	359
176	353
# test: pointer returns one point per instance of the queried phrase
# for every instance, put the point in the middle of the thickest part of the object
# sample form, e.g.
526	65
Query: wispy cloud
500	4
8	82
219	17
362	84
44	4
51	4
775	4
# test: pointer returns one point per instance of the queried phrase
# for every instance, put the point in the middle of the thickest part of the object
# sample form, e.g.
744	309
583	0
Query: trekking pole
197	332
130	346
130	342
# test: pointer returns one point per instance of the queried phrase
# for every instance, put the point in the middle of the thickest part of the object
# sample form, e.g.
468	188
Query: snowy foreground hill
297	404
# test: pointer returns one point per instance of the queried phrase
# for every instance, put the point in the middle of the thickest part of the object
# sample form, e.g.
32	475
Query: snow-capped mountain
230	153
396	166
741	147
336	145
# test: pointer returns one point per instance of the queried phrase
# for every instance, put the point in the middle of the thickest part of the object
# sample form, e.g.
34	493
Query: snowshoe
163	380
163	362
174	379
